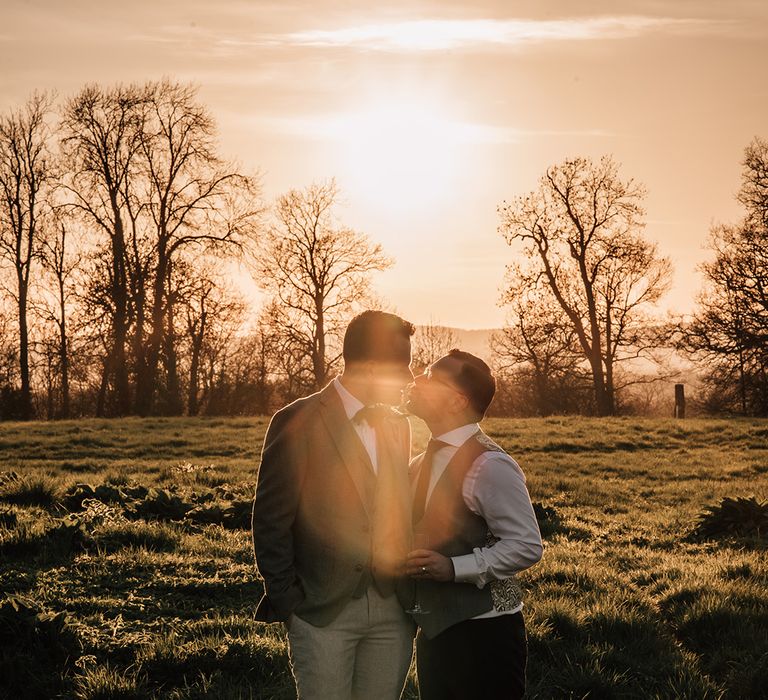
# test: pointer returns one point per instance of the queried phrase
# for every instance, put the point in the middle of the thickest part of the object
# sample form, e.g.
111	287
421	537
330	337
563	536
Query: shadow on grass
218	662
728	630
185	599
37	649
602	447
620	653
551	524
47	544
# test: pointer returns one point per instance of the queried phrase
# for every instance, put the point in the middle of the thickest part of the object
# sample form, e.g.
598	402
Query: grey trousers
364	654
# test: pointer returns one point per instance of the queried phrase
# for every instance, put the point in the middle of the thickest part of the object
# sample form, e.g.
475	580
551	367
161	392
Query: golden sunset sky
430	114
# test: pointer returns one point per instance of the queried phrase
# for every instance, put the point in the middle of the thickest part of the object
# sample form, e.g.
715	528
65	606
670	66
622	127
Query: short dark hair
475	379
371	336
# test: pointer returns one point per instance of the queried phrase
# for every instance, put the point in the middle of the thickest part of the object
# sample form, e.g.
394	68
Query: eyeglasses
432	378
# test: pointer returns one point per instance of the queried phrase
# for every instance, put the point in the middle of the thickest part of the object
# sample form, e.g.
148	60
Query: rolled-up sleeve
495	490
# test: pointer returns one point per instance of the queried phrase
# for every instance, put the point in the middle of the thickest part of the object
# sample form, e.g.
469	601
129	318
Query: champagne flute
420	541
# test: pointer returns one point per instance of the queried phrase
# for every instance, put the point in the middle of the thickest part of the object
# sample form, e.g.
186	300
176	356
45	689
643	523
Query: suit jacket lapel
348	444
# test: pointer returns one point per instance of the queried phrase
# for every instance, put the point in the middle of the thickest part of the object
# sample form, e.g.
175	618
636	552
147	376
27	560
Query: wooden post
679	400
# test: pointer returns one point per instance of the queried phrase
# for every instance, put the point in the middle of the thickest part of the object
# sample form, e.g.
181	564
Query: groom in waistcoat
472	505
332	519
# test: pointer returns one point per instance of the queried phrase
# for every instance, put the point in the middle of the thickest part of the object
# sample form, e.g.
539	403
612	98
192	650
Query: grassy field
127	571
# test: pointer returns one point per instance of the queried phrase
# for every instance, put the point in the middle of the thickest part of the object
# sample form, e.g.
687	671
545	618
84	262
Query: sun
408	151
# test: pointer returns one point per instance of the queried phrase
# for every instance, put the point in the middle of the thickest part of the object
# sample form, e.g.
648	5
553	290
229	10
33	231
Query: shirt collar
458	436
351	403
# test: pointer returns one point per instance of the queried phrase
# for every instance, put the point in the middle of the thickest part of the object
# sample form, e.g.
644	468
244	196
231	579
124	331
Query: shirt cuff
466	570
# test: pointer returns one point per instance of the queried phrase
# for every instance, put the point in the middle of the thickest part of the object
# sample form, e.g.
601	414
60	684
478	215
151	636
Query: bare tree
220	357
258	355
9	364
26	174
753	194
317	272
145	172
728	333
213	313
290	363
194	199
539	348
430	342
101	132
580	233
248	385
60	261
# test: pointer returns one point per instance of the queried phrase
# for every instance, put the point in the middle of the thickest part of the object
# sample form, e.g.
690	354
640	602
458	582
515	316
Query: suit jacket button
358	567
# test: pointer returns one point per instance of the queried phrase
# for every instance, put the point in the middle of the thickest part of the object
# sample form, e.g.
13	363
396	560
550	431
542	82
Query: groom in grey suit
331	521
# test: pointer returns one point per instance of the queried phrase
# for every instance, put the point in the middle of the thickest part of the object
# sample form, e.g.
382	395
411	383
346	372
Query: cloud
439	34
430	35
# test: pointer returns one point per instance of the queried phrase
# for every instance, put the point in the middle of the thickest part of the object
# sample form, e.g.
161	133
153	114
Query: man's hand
424	564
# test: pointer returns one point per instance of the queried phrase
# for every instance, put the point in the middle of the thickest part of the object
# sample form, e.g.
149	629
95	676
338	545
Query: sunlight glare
409	153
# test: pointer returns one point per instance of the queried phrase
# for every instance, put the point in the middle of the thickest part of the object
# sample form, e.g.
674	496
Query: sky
430	115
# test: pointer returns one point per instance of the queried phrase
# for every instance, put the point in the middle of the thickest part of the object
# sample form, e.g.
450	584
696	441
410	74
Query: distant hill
475	341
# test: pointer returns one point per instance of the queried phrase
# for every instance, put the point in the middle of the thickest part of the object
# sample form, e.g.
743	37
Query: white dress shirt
493	488
366	432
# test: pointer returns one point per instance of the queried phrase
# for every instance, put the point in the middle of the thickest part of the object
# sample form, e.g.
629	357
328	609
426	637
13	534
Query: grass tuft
39	490
53	541
155	536
108	683
733	517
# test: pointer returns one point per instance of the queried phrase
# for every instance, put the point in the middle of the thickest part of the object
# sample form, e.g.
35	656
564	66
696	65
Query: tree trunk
64	363
120	298
101	397
263	397
609	393
602	404
65	409
610	396
146	381
26	394
197	336
120	365
318	357
172	384
49	403
139	344
742	381
542	394
194	382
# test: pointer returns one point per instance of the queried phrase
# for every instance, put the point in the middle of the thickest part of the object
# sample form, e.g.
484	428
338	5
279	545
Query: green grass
128	537
28	490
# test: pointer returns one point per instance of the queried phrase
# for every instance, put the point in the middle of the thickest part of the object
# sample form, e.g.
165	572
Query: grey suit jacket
313	511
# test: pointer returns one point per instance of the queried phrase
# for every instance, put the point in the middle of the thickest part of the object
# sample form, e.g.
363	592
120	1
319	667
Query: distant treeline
123	230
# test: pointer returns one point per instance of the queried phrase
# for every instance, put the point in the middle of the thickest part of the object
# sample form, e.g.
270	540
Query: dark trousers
474	659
